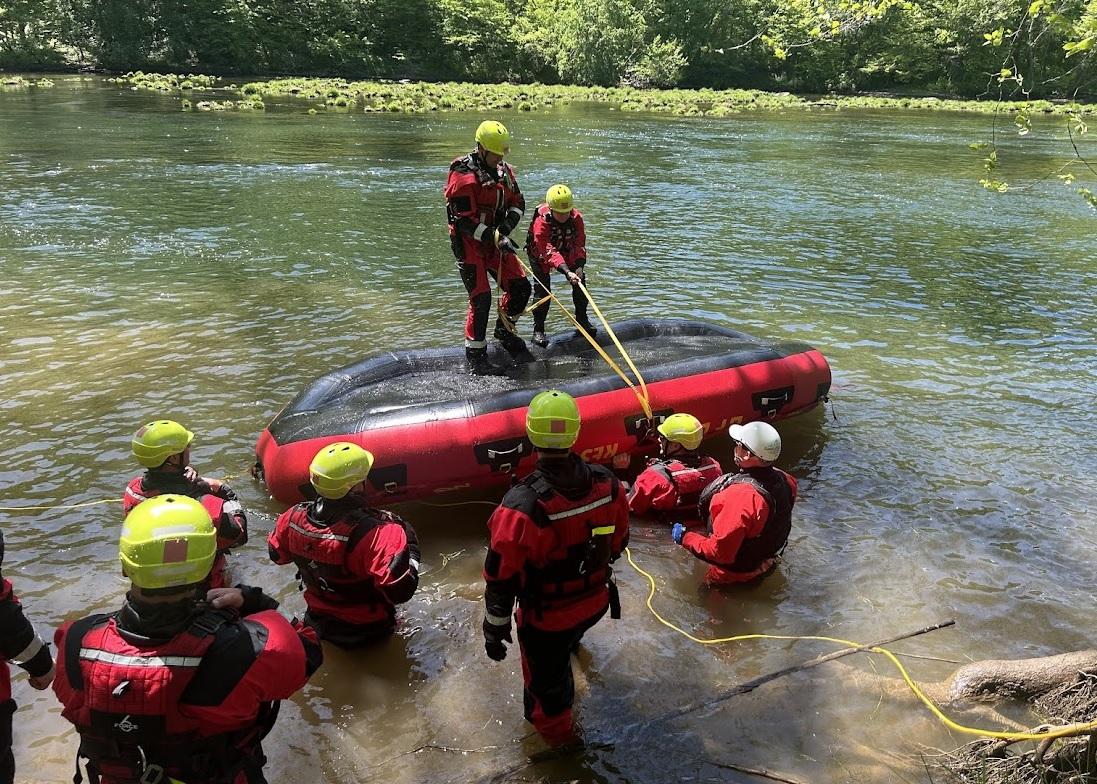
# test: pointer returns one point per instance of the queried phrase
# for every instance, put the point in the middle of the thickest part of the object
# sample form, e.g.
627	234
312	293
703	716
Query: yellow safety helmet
167	541
338	467
493	136
559	198
157	441
684	429
552	420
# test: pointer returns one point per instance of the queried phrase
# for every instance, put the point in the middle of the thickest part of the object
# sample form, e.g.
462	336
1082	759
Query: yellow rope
58	506
642	393
117	500
1069	729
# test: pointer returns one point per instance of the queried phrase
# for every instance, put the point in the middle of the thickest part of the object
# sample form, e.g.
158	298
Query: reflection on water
206	267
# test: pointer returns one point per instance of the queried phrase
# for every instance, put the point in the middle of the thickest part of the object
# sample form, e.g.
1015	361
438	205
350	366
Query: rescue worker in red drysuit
670	487
483	207
748	514
20	645
171	688
553	538
163	448
557	241
356	563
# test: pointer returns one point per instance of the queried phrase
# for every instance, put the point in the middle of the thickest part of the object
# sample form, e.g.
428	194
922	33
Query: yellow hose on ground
1069	729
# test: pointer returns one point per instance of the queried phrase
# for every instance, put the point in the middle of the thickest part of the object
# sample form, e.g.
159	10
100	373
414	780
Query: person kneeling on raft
356	562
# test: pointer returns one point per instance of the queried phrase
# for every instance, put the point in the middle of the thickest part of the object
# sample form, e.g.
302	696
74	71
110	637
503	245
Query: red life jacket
771	484
320	553
128	715
578	564
688	481
137	491
492	192
562	236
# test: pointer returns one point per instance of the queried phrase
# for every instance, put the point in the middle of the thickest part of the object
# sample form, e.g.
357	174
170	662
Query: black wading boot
513	344
480	365
584	322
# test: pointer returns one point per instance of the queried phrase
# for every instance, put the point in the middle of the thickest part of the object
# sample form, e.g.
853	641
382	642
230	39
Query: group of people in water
182	683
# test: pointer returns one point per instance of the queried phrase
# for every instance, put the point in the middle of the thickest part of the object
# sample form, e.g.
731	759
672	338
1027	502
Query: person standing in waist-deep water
356	562
483	207
20	645
552	540
181	684
669	488
748	514
163	448
556	241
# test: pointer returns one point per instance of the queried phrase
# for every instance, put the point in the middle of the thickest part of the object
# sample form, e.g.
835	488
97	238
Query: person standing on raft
552	540
356	563
748	513
20	645
556	241
670	487
163	448
483	207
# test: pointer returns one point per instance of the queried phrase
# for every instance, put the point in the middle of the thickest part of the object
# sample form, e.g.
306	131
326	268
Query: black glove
509	222
255	600
494	636
507	245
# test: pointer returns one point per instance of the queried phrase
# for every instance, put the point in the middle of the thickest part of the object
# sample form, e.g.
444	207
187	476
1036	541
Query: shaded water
206	267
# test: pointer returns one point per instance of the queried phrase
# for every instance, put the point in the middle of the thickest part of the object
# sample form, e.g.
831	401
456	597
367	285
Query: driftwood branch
751	685
759	772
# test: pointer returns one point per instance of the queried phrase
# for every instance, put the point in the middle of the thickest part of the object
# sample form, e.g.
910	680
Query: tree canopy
960	47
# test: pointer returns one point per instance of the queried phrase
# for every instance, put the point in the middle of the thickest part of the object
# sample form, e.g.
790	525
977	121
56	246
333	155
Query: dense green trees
1046	47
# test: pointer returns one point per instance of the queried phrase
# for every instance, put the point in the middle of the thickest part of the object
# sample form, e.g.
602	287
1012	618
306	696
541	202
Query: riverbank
317	95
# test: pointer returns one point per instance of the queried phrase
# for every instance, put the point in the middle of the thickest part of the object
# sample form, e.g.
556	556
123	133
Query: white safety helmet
760	438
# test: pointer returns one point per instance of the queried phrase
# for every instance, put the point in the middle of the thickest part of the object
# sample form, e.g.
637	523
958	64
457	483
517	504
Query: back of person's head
168	544
155	442
338	468
552	421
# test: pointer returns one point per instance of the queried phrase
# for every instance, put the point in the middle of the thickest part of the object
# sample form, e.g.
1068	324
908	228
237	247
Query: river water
206	266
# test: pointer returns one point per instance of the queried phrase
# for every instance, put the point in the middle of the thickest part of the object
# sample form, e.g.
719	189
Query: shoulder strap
210	622
540	485
235	647
364	521
74	641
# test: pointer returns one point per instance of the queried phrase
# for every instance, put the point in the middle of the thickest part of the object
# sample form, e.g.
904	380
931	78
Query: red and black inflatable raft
434	429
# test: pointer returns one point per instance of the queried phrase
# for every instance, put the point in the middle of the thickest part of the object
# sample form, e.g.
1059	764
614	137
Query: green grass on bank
325	94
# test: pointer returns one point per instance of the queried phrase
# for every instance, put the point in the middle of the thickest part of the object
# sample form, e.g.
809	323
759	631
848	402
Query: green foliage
1021	49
